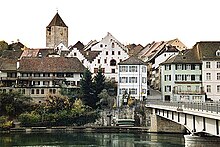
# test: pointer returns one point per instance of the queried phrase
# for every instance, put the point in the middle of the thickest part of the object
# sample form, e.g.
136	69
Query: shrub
29	119
5	124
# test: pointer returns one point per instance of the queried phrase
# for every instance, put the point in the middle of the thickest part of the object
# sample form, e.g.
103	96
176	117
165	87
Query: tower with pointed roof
56	32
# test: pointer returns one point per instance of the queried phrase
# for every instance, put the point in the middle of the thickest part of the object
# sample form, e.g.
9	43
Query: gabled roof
134	49
43	52
51	64
79	45
132	61
57	21
207	50
189	56
8	64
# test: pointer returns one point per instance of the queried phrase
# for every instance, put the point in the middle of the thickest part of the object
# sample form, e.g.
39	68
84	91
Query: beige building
56	32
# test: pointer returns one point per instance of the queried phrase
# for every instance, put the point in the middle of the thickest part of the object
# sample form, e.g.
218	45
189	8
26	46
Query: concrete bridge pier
162	125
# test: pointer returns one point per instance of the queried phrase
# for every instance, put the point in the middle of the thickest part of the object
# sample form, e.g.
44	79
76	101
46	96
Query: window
45	82
36	82
193	78
208	76
105	60
37	91
132	91
179	67
113	45
113	62
197	88
208	65
133	69
218	53
95	70
144	80
167	67
74	54
54	91
46	75
32	91
101	45
144	91
188	77
36	75
123	80
119	53
167	77
144	69
218	88
167	88
132	79
98	60
197	67
113	70
23	91
178	77
218	64
60	74
188	66
123	68
208	88
188	88
69	75
218	76
113	52
42	91
106	52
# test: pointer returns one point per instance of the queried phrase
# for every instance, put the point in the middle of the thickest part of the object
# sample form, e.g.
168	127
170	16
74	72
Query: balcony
188	92
41	78
8	78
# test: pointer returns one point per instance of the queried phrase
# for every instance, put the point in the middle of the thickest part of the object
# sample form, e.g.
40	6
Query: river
71	139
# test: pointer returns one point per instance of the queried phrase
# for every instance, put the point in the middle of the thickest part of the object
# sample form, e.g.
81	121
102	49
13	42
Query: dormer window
217	53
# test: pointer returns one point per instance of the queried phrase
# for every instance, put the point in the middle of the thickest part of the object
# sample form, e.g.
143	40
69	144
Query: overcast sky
130	21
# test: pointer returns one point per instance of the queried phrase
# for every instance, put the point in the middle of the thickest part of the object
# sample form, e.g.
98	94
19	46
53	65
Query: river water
63	139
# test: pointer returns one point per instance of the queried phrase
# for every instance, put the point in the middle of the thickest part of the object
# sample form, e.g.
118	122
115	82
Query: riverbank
102	129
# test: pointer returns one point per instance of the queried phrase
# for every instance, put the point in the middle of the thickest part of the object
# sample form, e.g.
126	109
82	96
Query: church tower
56	32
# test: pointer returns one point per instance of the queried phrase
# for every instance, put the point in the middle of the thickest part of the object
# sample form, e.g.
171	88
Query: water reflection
92	139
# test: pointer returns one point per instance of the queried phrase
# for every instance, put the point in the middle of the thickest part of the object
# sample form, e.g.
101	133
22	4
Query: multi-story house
106	54
209	54
155	53
8	74
181	78
157	58
37	77
132	79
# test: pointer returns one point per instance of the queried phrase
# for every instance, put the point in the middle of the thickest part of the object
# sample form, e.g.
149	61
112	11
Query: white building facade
132	80
106	54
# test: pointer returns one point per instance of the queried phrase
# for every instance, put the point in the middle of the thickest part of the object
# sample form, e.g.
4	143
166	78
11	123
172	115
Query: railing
203	106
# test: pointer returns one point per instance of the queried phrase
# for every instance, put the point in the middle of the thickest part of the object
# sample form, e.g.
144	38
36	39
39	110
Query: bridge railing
202	106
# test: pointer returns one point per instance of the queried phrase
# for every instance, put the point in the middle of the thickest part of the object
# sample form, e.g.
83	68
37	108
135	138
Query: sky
129	21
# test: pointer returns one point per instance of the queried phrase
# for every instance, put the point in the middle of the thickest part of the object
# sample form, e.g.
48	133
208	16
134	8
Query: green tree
99	84
86	89
57	102
3	46
13	103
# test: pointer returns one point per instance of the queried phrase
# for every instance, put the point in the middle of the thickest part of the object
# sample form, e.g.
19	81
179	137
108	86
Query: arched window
113	62
113	45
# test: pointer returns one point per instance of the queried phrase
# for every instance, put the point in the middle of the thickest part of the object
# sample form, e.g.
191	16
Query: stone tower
56	32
